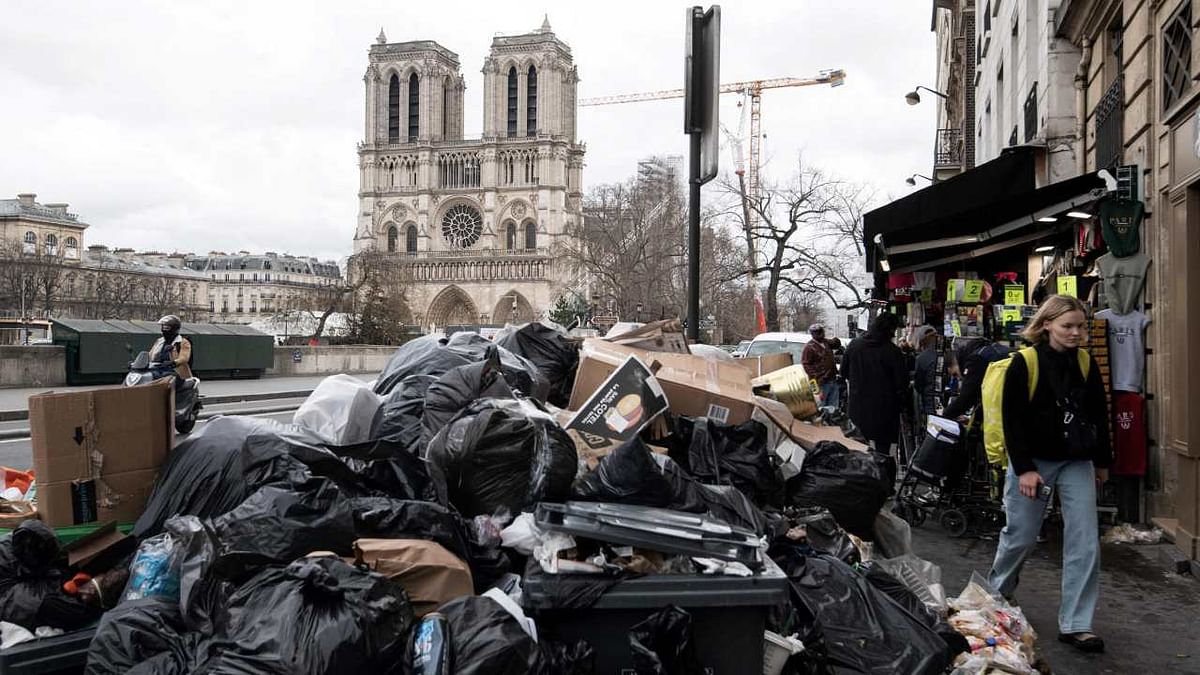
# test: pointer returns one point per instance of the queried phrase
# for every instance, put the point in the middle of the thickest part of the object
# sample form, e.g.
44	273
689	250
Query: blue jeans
831	392
1075	483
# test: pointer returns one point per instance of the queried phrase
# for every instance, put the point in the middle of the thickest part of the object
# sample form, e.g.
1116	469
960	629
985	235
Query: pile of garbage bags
446	518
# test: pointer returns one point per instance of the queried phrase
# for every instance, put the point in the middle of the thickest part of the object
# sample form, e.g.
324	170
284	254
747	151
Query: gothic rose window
462	225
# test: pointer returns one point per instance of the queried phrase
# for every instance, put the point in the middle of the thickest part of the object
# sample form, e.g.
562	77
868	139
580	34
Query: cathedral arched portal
512	308
452	307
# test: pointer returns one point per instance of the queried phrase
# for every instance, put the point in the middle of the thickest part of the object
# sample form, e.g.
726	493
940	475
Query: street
1147	614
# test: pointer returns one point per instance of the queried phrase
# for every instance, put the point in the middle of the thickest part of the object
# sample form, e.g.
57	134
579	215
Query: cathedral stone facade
475	221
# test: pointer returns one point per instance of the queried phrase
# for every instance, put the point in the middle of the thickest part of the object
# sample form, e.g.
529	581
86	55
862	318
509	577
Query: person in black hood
875	370
973	356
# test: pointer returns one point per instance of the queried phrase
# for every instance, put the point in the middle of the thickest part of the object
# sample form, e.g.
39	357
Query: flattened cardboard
114	438
100	550
761	365
656	336
694	386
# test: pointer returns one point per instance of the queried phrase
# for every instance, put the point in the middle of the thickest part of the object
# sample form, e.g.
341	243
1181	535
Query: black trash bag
862	630
502	454
455	390
567	658
895	589
203	475
724	454
386	468
662	644
631	474
31	579
436	355
317	615
551	351
486	640
852	485
276	526
823	532
399	416
384	518
147	635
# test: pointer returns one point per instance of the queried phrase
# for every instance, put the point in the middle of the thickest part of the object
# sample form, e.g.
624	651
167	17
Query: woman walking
1057	441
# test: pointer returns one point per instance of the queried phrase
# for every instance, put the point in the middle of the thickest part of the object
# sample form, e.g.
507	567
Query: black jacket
1033	429
878	378
925	379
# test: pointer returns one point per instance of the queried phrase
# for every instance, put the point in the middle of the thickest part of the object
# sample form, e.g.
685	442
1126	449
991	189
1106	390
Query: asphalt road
17	453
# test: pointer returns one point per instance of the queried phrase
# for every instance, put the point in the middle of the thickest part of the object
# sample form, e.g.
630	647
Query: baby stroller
949	476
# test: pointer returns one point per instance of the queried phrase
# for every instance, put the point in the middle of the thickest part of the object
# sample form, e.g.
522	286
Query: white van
773	343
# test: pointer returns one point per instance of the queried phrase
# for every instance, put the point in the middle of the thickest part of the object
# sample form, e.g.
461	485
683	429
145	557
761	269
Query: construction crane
751	90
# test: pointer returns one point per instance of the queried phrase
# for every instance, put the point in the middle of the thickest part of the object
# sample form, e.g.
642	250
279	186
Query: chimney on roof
26	199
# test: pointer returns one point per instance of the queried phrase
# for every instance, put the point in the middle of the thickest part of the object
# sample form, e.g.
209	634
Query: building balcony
1109	116
948	149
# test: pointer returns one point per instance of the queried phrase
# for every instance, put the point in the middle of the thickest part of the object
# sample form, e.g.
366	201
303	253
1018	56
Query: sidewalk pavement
16	399
1147	614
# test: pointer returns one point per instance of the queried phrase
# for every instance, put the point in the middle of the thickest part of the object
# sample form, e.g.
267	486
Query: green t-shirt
1121	222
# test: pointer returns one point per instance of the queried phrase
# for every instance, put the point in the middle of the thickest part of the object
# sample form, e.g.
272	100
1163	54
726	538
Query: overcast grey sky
232	125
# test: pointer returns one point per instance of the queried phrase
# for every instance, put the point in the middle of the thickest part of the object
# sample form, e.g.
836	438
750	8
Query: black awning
994	202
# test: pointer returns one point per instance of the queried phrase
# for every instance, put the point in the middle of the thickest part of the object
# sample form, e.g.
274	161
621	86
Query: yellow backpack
993	398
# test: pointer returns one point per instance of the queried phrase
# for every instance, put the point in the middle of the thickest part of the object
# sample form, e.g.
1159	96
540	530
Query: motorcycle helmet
170	324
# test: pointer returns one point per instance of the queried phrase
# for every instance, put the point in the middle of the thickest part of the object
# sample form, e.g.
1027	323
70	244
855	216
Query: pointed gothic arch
452	307
393	109
512	308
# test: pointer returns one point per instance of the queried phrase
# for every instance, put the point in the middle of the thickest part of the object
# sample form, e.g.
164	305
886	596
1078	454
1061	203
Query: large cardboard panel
761	365
694	386
108	443
1187	506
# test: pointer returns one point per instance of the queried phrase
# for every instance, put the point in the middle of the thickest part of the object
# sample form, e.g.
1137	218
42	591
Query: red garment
1129	434
901	280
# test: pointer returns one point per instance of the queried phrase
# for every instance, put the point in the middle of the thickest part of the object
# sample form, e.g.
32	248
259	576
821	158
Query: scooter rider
172	352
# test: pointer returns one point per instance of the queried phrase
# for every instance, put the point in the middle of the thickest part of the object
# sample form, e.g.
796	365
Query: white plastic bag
340	410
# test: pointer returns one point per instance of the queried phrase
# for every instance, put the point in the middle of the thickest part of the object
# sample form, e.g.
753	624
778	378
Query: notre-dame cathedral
474	220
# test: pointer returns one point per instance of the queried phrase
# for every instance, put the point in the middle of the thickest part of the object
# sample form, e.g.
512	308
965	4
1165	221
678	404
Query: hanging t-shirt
1121	221
1089	239
1123	280
1129	435
1127	348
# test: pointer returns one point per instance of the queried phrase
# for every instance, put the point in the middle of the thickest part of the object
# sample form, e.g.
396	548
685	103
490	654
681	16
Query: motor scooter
187	392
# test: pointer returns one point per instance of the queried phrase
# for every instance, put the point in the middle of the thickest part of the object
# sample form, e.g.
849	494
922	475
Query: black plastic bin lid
653	528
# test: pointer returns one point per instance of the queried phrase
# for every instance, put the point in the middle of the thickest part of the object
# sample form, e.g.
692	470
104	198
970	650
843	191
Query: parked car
740	350
773	343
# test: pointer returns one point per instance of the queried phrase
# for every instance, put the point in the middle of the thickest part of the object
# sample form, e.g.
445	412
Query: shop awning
990	207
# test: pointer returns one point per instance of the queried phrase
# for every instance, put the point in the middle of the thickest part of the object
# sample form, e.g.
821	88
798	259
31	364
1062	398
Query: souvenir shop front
974	255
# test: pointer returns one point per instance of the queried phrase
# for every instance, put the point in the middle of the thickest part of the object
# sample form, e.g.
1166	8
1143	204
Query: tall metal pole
693	329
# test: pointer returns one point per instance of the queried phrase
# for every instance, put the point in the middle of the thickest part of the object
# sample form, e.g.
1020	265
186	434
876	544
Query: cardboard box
694	386
96	453
761	365
656	336
99	551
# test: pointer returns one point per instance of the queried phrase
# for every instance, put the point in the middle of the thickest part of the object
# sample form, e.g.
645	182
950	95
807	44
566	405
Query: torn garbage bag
852	485
822	532
550	350
399	417
31	579
455	390
437	355
316	616
862	629
896	590
502	454
485	639
277	526
662	644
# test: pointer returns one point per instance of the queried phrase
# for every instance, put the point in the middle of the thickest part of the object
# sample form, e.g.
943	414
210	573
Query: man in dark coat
875	369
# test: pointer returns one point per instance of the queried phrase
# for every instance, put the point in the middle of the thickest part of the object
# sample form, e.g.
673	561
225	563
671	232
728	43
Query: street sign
702	84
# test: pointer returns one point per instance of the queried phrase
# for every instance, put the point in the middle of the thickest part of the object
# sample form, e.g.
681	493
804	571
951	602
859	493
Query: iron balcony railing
948	149
1031	114
1109	120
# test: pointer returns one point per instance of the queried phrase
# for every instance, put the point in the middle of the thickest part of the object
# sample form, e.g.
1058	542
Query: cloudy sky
232	125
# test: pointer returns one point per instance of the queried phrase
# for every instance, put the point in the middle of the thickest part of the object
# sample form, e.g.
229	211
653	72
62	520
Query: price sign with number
1014	294
1068	285
973	292
956	328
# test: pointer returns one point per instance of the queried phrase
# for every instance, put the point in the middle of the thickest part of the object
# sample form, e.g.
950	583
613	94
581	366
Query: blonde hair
1051	308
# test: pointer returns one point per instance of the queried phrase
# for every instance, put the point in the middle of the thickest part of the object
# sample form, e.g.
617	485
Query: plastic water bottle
431	646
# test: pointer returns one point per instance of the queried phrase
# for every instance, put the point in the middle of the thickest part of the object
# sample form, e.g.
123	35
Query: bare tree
376	297
834	258
30	280
632	245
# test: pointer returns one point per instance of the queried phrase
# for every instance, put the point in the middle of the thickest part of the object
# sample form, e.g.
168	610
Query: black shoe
1084	642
